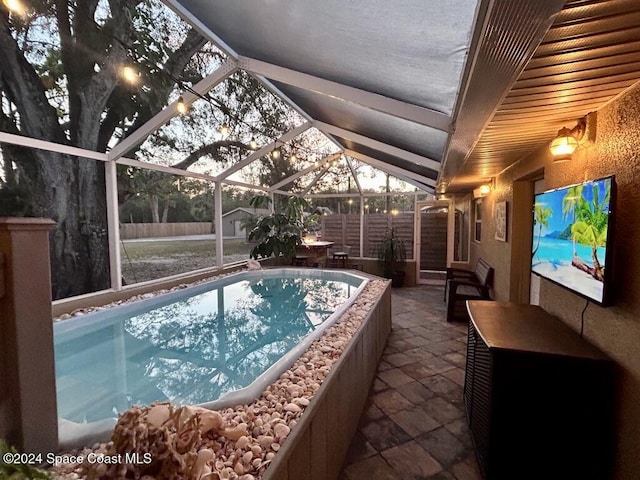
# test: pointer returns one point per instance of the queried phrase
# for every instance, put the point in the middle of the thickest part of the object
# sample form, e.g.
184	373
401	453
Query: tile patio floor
413	426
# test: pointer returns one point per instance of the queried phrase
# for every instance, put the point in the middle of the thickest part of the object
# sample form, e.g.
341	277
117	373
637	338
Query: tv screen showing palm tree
572	229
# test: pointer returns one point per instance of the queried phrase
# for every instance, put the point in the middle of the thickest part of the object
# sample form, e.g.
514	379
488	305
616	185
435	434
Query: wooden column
28	412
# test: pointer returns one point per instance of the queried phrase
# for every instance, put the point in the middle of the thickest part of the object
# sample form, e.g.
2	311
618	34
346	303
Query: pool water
192	346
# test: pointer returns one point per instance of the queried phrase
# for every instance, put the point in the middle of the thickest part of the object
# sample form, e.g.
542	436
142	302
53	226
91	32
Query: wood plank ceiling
589	56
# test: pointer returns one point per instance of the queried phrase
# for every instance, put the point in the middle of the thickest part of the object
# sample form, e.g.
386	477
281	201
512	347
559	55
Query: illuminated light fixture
181	107
566	142
130	75
483	190
253	145
275	154
293	158
224	130
350	201
394	211
14	6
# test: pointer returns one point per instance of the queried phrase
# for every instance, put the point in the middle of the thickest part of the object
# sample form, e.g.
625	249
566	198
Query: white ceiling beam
288	136
51	146
163	168
304	171
391	169
374	101
170	111
378	145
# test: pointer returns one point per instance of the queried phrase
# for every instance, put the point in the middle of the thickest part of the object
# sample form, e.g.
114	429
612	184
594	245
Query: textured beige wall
616	329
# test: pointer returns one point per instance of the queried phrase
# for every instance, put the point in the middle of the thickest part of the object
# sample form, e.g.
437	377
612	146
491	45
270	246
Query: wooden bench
462	285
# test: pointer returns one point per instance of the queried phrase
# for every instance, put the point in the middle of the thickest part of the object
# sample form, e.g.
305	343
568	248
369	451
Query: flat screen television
573	231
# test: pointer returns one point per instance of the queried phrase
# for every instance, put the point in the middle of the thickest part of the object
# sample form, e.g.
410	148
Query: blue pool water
193	346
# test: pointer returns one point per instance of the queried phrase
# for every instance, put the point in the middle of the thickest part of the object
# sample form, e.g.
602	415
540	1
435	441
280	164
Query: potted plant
392	256
278	234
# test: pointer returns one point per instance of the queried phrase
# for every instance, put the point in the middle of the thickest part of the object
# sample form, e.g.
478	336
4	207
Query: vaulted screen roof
445	93
389	73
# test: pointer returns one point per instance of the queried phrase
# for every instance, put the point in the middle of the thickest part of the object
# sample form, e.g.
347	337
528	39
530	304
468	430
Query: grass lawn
142	261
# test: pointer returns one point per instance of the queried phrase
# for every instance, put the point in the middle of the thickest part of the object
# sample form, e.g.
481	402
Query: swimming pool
216	344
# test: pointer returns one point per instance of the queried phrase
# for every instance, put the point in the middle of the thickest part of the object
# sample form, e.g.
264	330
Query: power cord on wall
582	321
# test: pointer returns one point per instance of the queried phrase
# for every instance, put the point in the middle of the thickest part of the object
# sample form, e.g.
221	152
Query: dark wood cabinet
538	398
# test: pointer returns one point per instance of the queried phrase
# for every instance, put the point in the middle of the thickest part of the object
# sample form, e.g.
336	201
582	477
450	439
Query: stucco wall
616	329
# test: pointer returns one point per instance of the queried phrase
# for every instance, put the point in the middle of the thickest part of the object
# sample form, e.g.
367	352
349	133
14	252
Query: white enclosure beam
178	7
353	173
217	219
380	146
245	185
170	111
290	135
374	101
282	192
304	171
357	195
362	226
278	93
392	169
113	225
163	168
322	173
51	146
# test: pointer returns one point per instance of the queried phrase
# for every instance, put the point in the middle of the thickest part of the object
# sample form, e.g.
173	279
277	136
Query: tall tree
83	55
60	81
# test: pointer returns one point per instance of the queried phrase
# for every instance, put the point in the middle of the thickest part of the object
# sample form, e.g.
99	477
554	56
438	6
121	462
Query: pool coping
319	443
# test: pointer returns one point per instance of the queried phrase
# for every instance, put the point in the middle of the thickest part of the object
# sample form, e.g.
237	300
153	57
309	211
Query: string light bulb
275	154
224	130
14	6
253	145
181	107
130	74
293	158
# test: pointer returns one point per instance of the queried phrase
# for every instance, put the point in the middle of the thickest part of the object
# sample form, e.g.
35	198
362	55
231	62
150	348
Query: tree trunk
155	208
165	210
70	191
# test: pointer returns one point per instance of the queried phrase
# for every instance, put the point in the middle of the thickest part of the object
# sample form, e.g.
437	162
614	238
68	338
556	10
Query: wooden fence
344	229
147	230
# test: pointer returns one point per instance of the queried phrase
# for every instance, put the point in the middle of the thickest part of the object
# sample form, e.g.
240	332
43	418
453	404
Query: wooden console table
538	398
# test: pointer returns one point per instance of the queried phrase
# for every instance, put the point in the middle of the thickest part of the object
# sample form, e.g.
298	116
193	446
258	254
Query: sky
553	200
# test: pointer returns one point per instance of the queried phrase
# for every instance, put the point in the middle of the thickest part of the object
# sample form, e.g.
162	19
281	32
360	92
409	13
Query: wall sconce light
566	142
483	190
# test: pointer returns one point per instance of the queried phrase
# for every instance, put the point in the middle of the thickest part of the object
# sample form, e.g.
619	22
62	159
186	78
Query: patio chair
341	256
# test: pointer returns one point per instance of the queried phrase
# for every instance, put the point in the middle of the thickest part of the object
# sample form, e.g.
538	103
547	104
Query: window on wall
477	215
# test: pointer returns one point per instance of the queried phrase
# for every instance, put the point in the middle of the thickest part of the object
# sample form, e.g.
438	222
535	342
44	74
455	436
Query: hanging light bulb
253	145
275	154
14	6
181	107
224	130
130	74
293	158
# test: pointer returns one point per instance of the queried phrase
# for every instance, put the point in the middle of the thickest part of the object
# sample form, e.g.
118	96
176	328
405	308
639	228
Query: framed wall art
501	221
